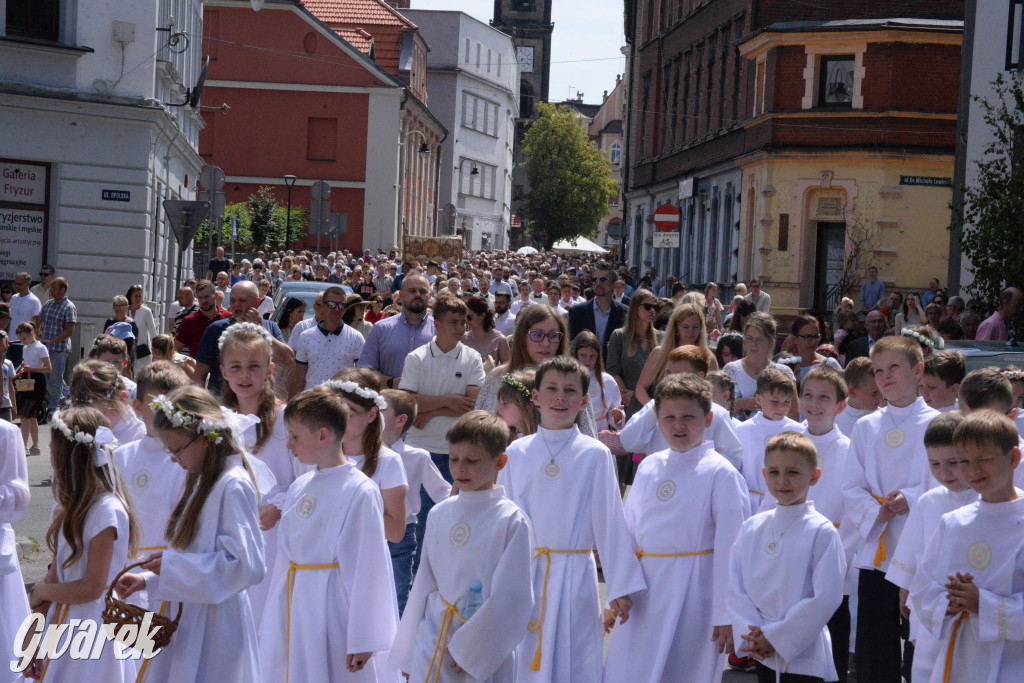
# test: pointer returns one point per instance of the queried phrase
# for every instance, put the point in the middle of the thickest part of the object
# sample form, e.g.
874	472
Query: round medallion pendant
894	437
552	470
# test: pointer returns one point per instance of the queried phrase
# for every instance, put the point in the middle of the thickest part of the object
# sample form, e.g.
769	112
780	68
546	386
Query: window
479	184
478	55
480	114
34	19
616	153
499	65
467	50
322	139
488	60
835	87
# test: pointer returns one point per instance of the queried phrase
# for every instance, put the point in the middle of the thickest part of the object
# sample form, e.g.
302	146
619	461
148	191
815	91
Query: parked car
305	290
981	354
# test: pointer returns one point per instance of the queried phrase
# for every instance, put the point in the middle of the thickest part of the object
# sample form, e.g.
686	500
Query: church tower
529	24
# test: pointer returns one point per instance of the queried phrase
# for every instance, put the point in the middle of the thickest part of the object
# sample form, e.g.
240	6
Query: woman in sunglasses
631	345
540	334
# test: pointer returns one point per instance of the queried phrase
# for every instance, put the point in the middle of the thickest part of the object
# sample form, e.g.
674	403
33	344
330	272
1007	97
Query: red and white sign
667	218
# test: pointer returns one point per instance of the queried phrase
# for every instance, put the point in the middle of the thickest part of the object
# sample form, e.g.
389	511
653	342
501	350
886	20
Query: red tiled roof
357	13
357	38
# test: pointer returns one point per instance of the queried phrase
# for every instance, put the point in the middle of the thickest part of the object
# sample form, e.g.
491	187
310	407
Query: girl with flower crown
99	385
215	547
248	370
92	536
515	403
364	444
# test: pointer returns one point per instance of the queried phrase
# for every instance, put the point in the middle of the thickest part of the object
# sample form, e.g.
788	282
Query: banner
423	249
21	241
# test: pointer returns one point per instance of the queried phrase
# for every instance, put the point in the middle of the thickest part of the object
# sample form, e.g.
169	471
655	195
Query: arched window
616	153
525	99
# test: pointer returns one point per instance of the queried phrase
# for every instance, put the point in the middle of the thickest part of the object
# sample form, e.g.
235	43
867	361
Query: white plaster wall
380	199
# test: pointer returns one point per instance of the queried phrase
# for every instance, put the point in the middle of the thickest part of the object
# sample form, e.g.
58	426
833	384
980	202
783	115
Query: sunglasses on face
537	335
603	278
334	305
649	307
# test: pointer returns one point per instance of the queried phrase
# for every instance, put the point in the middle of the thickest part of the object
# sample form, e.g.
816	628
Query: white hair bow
100	452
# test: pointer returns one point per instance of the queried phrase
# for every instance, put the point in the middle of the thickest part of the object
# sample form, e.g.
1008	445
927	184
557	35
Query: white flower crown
923	339
213	429
350	387
248	327
103	442
1013	375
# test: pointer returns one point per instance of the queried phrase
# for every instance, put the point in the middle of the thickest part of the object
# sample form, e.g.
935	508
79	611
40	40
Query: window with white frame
479	114
834	75
615	155
477	179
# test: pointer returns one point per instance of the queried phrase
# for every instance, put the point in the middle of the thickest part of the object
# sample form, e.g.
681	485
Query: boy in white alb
549	473
885	472
969	587
943	373
864	397
989	389
952	493
331	612
641	433
153	480
683	513
823	397
473	595
786	572
775	395
420	471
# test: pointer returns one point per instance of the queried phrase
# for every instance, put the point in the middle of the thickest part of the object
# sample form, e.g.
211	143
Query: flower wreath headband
923	339
103	442
1014	375
517	385
214	430
350	387
245	327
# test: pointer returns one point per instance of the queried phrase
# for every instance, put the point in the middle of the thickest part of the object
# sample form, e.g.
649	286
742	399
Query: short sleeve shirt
56	314
23	309
389	473
432	372
326	353
193	326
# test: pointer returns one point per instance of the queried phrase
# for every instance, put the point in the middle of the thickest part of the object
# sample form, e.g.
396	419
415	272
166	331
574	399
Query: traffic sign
185	218
665	240
667	218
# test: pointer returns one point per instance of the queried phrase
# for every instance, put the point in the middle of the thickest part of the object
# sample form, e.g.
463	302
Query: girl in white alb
91	511
98	384
14	499
605	398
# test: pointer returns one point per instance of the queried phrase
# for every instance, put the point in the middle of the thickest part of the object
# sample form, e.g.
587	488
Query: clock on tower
525	59
529	24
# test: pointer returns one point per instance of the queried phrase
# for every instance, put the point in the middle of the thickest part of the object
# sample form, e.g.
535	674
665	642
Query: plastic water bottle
474	598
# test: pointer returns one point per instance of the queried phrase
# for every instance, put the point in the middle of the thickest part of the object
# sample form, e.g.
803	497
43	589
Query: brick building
330	90
717	87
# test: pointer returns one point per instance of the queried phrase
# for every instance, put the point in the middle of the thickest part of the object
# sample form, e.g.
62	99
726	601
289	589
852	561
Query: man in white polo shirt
445	376
327	348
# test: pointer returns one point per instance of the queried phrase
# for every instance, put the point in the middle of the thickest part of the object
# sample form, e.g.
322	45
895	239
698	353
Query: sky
585	44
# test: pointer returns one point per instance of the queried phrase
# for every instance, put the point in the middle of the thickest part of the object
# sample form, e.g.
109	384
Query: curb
25	547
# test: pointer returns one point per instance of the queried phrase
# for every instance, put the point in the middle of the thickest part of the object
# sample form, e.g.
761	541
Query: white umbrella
526	250
580	244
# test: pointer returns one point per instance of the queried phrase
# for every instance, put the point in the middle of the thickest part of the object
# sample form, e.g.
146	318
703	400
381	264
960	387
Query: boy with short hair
988	388
553	471
972	565
421	471
885	471
683	513
864	397
113	350
951	493
786	571
943	373
473	594
642	435
154	481
774	397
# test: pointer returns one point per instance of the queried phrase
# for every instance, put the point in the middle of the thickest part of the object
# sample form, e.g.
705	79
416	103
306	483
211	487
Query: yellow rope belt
151	548
643	553
880	553
60	614
536	625
145	662
835	524
951	647
442	639
290	580
760	493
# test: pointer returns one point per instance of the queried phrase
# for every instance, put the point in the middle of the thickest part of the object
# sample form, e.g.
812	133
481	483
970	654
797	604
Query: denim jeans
55	383
401	563
426	504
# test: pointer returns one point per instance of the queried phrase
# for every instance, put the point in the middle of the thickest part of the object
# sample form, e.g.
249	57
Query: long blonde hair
78	483
183	523
631	333
508	392
238	336
373	437
671	340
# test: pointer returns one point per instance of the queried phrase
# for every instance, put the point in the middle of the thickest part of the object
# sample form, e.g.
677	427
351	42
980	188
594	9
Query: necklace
552	469
773	541
894	436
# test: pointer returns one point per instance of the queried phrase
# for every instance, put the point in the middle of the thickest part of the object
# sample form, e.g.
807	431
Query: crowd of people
413	477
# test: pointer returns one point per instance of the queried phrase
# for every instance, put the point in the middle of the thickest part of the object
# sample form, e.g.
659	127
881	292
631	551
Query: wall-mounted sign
117	196
665	240
829	206
22	183
927	181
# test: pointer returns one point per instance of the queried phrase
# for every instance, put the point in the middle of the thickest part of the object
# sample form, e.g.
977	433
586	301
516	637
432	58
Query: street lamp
289	181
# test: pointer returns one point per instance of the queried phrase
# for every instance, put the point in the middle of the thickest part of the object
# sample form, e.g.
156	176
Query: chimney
604	98
399	4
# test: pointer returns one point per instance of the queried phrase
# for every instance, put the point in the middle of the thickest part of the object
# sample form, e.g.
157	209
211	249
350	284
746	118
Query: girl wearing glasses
631	345
540	334
806	332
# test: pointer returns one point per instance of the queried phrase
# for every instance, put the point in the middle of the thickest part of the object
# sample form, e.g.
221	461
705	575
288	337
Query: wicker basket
613	441
121	613
24	385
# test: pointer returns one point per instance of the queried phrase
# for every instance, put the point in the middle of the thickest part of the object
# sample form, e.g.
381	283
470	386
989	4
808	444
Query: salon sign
22	183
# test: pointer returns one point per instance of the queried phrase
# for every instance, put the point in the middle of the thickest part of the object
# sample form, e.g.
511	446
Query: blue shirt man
392	339
872	291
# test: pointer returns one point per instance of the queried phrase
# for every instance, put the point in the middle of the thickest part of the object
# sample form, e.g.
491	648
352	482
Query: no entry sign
666	218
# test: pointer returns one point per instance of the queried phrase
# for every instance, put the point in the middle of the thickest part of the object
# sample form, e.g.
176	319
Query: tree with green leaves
261	223
992	212
569	178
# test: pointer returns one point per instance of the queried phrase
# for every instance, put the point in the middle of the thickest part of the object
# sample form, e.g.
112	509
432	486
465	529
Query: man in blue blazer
602	315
